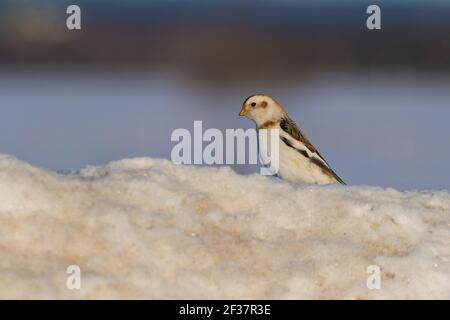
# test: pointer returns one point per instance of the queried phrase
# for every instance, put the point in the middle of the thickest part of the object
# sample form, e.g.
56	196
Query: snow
146	228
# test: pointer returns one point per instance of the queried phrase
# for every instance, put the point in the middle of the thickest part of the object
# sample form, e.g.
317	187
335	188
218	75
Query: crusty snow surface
146	228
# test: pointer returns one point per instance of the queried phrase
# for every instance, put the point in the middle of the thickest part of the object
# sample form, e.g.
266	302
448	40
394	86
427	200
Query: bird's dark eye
253	104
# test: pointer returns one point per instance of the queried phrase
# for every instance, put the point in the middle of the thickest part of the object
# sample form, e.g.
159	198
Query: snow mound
146	228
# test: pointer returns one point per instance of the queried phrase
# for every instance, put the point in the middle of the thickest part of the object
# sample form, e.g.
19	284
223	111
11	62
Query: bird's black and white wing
293	137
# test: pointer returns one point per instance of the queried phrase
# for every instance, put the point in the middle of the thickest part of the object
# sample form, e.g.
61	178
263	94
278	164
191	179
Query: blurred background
375	103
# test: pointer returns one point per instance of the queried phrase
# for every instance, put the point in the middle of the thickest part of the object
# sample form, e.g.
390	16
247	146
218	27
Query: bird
299	160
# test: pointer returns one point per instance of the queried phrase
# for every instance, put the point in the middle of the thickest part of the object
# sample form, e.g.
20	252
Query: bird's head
261	108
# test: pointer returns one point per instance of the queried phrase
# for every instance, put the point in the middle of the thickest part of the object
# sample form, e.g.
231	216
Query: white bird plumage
299	160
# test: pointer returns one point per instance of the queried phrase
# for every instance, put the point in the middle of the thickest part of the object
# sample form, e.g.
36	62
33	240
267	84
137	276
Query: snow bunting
299	160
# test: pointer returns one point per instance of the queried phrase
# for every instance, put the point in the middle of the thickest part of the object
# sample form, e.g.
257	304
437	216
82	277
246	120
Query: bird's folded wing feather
293	137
